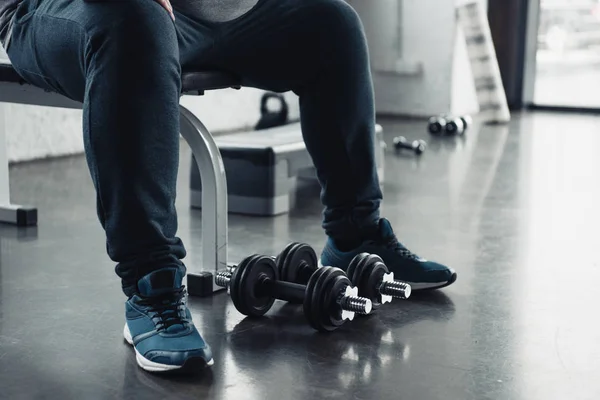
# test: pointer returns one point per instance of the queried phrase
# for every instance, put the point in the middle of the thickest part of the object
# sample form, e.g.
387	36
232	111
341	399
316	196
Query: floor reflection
513	208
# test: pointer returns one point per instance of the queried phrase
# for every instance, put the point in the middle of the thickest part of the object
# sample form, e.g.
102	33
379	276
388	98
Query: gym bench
14	89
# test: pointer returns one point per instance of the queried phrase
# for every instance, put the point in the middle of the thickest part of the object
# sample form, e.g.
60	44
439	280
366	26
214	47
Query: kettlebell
270	119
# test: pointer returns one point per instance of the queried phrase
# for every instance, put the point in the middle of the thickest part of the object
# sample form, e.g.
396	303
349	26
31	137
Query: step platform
263	169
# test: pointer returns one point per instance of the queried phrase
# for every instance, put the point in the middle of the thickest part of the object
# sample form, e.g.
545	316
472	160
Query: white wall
433	74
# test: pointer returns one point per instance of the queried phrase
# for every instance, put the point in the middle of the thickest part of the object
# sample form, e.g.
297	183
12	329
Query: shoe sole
433	286
192	363
424	285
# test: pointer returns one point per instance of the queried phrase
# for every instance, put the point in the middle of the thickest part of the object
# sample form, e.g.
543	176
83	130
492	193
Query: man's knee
340	30
338	16
339	33
132	28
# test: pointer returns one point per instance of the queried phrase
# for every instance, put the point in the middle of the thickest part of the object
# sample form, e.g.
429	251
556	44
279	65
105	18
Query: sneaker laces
392	242
167	308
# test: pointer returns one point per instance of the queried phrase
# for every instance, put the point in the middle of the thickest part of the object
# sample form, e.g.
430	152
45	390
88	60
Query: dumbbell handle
304	272
294	293
404	144
286	291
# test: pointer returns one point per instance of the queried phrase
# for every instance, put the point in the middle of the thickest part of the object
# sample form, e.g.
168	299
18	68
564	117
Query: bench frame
203	147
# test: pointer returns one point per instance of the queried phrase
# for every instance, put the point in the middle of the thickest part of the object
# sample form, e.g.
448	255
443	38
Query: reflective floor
513	209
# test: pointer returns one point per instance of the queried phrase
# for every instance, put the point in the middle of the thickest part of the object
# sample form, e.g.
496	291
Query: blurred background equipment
269	118
402	143
445	124
458	125
472	19
437	124
264	168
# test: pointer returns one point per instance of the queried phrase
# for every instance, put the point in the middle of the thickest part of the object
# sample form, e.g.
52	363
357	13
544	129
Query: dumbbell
298	261
457	125
328	298
437	125
418	146
369	273
445	124
272	119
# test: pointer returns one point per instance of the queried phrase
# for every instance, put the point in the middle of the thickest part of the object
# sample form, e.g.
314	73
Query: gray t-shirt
214	10
209	10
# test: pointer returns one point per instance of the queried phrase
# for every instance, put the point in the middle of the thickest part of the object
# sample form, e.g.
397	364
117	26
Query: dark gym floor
514	209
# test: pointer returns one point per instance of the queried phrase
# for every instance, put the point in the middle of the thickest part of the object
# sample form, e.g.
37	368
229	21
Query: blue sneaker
160	328
406	266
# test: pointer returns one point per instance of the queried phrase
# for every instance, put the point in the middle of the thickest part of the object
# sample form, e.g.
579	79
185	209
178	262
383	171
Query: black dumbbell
418	146
272	119
457	125
369	273
437	125
328	298
298	261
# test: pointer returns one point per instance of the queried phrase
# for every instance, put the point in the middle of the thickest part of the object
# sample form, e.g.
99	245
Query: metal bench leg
214	204
11	213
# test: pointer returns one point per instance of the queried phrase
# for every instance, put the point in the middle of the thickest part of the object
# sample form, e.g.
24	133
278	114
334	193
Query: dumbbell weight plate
283	255
296	263
354	265
234	285
370	265
321	302
246	298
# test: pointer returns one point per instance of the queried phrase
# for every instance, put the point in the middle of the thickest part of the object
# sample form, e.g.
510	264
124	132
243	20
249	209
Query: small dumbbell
418	146
457	125
328	298
374	281
437	125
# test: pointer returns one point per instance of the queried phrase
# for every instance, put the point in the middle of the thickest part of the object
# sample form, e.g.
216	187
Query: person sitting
123	61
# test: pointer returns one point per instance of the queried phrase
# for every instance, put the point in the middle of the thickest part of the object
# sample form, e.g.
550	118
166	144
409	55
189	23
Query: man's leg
121	59
318	49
